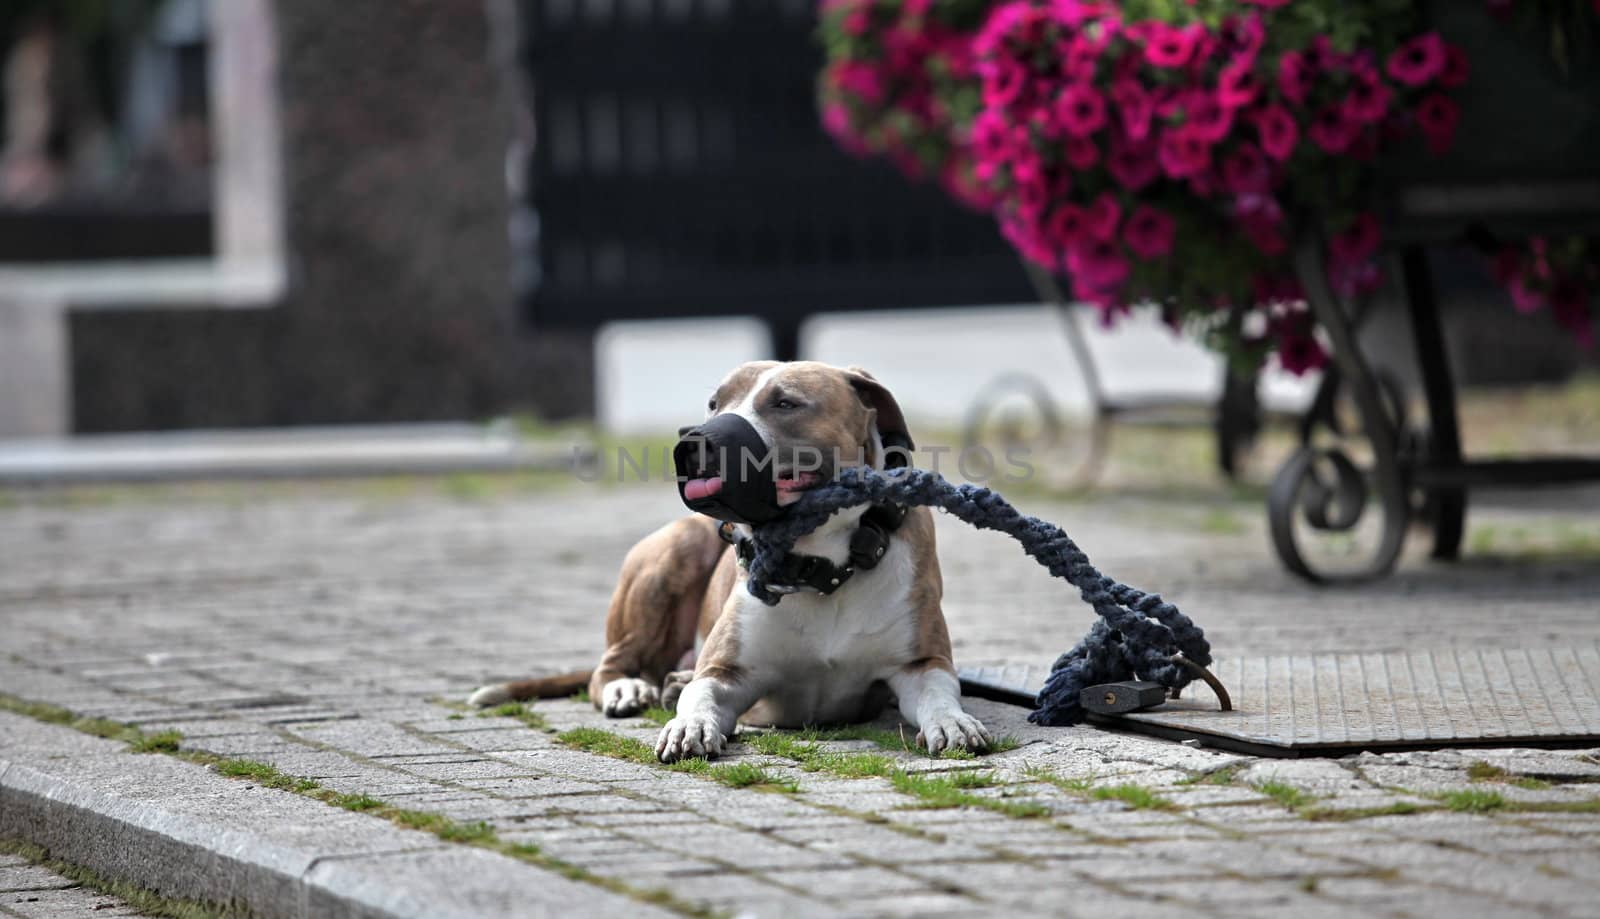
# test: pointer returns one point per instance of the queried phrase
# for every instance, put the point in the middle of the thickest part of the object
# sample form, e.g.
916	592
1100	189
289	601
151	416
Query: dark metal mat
1332	704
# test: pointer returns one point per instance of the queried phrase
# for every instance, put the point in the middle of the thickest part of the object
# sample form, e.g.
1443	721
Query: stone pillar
394	125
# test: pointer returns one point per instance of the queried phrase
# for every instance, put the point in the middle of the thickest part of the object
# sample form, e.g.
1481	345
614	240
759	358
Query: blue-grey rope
1136	636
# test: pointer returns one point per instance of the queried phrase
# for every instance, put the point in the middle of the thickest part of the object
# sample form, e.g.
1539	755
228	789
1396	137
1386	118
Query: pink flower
1133	165
1080	110
1321	55
1003	84
1206	116
1526	299
1081	153
1438	115
1135	105
1169	46
1332	130
1103	216
1183	153
1260	217
1097	265
1300	353
1368	100
1359	241
1067	226
860	79
1456	67
990	136
1269	4
1082	55
1149	232
1245	34
1294	77
836	121
1278	131
1419	60
1237	86
1026	239
1245	171
856	22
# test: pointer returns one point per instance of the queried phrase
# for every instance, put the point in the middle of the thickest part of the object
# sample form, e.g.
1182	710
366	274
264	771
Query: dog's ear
897	443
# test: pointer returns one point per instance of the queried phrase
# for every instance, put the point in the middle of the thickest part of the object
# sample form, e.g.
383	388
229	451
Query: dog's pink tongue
695	489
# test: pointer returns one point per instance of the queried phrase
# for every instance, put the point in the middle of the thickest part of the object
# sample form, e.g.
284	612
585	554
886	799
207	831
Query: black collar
868	545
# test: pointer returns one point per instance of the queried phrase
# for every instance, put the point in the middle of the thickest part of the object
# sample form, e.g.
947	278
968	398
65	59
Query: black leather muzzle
725	470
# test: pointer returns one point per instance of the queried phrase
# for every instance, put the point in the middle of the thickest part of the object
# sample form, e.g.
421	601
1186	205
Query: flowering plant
1168	151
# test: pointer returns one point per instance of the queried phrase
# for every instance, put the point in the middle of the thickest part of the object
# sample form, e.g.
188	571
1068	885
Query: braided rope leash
1138	635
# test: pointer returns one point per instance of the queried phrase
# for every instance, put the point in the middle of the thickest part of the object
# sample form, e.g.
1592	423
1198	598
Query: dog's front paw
627	696
955	730
688	735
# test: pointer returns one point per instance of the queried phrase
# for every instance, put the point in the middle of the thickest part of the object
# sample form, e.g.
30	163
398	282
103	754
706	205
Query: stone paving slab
195	835
333	637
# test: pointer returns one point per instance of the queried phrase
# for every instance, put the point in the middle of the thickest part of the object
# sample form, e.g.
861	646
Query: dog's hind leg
654	613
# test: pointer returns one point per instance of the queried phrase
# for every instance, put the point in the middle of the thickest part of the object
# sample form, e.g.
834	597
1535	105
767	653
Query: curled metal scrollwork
1320	483
986	419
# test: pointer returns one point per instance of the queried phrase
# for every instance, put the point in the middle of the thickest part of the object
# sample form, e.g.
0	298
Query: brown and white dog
813	658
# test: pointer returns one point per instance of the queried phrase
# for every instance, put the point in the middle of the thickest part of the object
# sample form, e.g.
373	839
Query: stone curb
189	833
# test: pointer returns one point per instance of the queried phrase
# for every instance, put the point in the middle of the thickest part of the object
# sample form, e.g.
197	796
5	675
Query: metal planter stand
1524	165
1418	471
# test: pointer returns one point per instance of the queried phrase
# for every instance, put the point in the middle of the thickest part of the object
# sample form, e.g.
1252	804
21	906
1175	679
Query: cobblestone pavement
34	892
332	631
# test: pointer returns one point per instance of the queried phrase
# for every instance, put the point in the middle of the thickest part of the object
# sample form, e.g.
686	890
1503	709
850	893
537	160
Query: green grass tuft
749	775
265	775
355	802
605	743
812	757
656	715
1223	776
1004	744
1329	814
782	743
1137	797
851	765
159	742
443	827
1287	795
952	789
886	739
518	711
1480	771
1473	801
734	775
581	695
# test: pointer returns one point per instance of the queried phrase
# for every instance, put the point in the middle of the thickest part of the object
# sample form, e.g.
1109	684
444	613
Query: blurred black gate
680	170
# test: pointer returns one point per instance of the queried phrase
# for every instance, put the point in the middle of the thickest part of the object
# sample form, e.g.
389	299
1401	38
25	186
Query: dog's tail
548	687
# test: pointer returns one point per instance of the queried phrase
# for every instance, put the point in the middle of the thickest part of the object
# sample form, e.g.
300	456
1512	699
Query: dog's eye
711	406
785	404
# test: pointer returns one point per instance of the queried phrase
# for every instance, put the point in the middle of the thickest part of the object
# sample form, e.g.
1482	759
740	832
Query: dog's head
774	429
